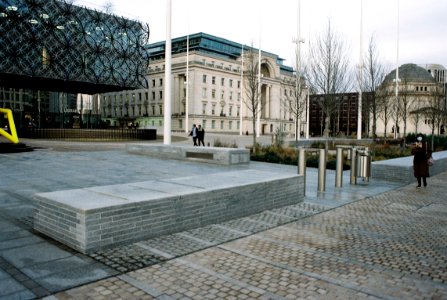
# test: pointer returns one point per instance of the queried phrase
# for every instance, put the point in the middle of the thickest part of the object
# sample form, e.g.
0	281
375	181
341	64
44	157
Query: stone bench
215	155
400	169
94	218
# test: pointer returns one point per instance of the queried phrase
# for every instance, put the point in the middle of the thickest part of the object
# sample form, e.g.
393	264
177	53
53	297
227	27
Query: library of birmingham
65	66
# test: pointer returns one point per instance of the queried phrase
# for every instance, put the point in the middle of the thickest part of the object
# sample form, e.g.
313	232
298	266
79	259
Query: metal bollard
322	171
339	168
302	165
353	166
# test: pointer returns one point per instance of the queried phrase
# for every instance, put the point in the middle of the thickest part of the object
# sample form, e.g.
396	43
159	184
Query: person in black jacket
420	161
201	135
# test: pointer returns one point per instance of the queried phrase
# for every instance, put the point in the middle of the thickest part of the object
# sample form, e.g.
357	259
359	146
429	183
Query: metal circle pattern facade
60	41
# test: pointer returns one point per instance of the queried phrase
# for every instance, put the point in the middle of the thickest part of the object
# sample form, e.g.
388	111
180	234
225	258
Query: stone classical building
214	94
418	93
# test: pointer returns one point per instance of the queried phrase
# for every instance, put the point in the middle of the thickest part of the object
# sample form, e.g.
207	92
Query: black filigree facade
57	46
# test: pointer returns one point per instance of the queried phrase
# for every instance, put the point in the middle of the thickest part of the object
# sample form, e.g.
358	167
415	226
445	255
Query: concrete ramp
94	218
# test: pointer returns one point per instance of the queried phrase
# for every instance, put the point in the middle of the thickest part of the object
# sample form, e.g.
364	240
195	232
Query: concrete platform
215	155
94	218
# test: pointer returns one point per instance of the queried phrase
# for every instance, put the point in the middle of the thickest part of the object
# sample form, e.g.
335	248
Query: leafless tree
405	102
328	72
294	102
252	88
374	76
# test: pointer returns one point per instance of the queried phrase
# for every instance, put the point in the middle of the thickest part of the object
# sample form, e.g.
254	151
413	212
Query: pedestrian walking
201	135
193	133
420	161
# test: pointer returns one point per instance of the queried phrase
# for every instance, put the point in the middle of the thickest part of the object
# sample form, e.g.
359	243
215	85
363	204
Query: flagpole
359	108
258	103
397	68
187	77
241	88
167	89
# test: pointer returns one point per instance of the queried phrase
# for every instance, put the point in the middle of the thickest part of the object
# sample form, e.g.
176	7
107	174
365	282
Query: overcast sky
422	25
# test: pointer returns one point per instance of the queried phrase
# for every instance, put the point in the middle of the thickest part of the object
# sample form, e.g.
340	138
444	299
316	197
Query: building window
204	78
213	80
231	82
161	109
238	124
239	96
161	95
180	123
203	108
230	109
238	111
153	82
230	125
161	81
213	93
153	111
204	92
146	94
153	96
231	96
222	81
238	84
221	124
213	109
213	124
222	95
204	124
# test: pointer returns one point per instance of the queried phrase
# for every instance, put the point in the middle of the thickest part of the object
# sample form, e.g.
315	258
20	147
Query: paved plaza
373	240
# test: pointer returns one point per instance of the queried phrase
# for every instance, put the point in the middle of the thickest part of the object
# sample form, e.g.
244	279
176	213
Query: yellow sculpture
12	128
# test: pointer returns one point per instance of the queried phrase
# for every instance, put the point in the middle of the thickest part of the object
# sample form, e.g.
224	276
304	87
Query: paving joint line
229	279
144	287
327	279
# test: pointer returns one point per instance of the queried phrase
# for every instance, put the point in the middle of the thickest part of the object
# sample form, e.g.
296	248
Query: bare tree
405	101
295	102
328	72
374	75
252	88
382	97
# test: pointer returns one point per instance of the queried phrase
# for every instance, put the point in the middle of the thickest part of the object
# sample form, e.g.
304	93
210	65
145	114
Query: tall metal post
168	66
339	168
353	178
302	165
322	171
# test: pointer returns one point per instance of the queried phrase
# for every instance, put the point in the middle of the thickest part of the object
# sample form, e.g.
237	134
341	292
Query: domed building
415	104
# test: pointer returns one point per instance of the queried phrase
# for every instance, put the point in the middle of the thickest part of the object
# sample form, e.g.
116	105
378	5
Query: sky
419	37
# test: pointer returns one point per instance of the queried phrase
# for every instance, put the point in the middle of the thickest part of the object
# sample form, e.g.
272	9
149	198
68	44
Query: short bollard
322	171
339	168
302	165
353	166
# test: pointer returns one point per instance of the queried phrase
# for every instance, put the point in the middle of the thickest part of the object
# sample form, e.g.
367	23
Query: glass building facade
53	50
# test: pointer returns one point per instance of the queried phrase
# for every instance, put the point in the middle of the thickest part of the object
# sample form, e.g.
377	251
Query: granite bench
215	155
400	169
94	218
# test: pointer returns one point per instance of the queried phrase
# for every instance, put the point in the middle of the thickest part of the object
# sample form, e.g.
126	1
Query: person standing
201	135
420	161
193	133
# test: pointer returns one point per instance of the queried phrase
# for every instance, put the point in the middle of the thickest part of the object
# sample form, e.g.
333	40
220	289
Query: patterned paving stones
389	246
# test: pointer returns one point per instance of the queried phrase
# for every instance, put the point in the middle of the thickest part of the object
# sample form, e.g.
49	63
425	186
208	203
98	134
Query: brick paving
389	246
392	244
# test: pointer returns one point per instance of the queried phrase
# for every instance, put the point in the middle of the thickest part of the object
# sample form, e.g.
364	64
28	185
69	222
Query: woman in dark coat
420	165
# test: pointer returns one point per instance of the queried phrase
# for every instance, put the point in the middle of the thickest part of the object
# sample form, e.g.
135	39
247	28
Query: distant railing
88	134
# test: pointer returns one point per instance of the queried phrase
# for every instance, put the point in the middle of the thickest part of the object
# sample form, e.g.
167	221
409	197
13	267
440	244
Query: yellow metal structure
12	136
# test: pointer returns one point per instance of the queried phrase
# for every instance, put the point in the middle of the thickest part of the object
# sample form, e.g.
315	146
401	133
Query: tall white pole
307	113
359	107
168	54
397	68
298	69
241	89
187	86
258	106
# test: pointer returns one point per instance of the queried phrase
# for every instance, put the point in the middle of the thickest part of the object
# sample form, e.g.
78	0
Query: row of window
222	81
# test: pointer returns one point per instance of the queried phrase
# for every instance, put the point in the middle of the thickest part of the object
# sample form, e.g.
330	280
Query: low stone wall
91	219
215	155
401	169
